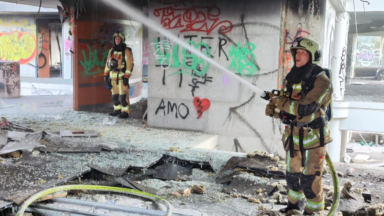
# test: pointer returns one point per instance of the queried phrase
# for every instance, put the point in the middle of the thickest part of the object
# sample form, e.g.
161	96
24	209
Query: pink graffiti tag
193	19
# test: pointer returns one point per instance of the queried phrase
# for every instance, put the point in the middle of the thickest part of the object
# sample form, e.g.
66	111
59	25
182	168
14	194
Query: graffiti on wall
201	105
145	54
17	46
342	70
240	60
94	60
367	56
9	79
193	19
182	110
289	39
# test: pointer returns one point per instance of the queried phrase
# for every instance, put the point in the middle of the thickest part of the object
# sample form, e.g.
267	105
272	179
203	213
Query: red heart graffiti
201	105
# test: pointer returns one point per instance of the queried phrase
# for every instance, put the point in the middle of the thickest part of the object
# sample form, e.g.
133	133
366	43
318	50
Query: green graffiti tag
240	61
93	61
191	61
167	56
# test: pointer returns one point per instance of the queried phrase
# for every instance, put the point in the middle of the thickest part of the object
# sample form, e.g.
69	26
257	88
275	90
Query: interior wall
43	43
18	42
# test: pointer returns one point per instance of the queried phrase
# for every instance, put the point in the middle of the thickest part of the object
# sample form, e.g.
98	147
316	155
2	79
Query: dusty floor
139	145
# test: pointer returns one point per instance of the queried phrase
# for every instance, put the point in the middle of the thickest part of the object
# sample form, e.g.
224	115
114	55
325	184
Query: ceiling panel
44	3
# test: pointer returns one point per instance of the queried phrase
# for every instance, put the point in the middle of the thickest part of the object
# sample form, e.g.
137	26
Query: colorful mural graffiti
17	46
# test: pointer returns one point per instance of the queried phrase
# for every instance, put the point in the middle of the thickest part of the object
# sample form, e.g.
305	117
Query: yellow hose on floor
336	190
48	191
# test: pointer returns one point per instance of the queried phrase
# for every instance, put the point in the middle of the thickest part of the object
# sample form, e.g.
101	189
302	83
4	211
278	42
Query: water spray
127	9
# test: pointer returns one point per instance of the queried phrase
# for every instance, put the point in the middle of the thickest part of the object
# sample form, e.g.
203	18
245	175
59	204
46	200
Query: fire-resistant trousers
305	182
120	96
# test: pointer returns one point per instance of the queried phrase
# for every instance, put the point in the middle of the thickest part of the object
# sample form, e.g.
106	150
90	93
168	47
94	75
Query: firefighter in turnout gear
302	107
117	71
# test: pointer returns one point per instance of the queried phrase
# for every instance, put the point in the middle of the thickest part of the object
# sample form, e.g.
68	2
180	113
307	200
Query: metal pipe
113	207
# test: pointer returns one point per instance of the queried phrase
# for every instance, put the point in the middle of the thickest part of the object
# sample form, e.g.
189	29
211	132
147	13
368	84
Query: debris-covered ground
127	153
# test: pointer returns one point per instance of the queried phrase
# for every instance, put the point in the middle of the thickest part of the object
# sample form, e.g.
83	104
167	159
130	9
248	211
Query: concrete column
351	58
334	148
66	52
344	141
339	55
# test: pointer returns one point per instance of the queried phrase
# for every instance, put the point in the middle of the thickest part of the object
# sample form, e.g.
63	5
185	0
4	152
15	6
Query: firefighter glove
108	82
280	101
125	81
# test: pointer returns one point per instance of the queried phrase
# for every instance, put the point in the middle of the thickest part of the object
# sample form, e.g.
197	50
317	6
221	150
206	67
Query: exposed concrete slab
206	141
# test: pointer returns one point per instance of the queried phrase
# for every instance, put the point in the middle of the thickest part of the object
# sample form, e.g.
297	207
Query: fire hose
48	191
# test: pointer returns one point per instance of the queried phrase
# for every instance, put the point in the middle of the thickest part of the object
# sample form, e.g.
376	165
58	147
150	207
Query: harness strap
301	143
291	148
322	142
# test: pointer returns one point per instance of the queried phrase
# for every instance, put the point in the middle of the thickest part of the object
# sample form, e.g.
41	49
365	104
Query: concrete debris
263	207
276	158
325	213
78	133
326	170
187	192
176	194
340	174
358	191
346	191
173	149
377	209
350	206
3	138
28	143
327	188
273	168
282	189
15	154
378	196
111	122
350	171
250	154
35	153
360	158
293	212
254	200
268	213
199	189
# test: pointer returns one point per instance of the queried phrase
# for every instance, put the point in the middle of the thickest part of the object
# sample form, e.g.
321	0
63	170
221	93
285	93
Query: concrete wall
67	67
361	6
43	53
9	79
329	35
56	43
187	93
18	42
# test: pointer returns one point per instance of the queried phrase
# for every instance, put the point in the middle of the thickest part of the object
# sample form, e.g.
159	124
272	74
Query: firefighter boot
123	115
115	113
298	206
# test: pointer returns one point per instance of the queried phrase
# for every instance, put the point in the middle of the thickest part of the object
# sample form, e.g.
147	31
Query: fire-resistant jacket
118	55
321	94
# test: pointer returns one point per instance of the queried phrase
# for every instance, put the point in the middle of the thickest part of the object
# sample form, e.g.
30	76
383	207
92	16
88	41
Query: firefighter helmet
119	34
311	46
